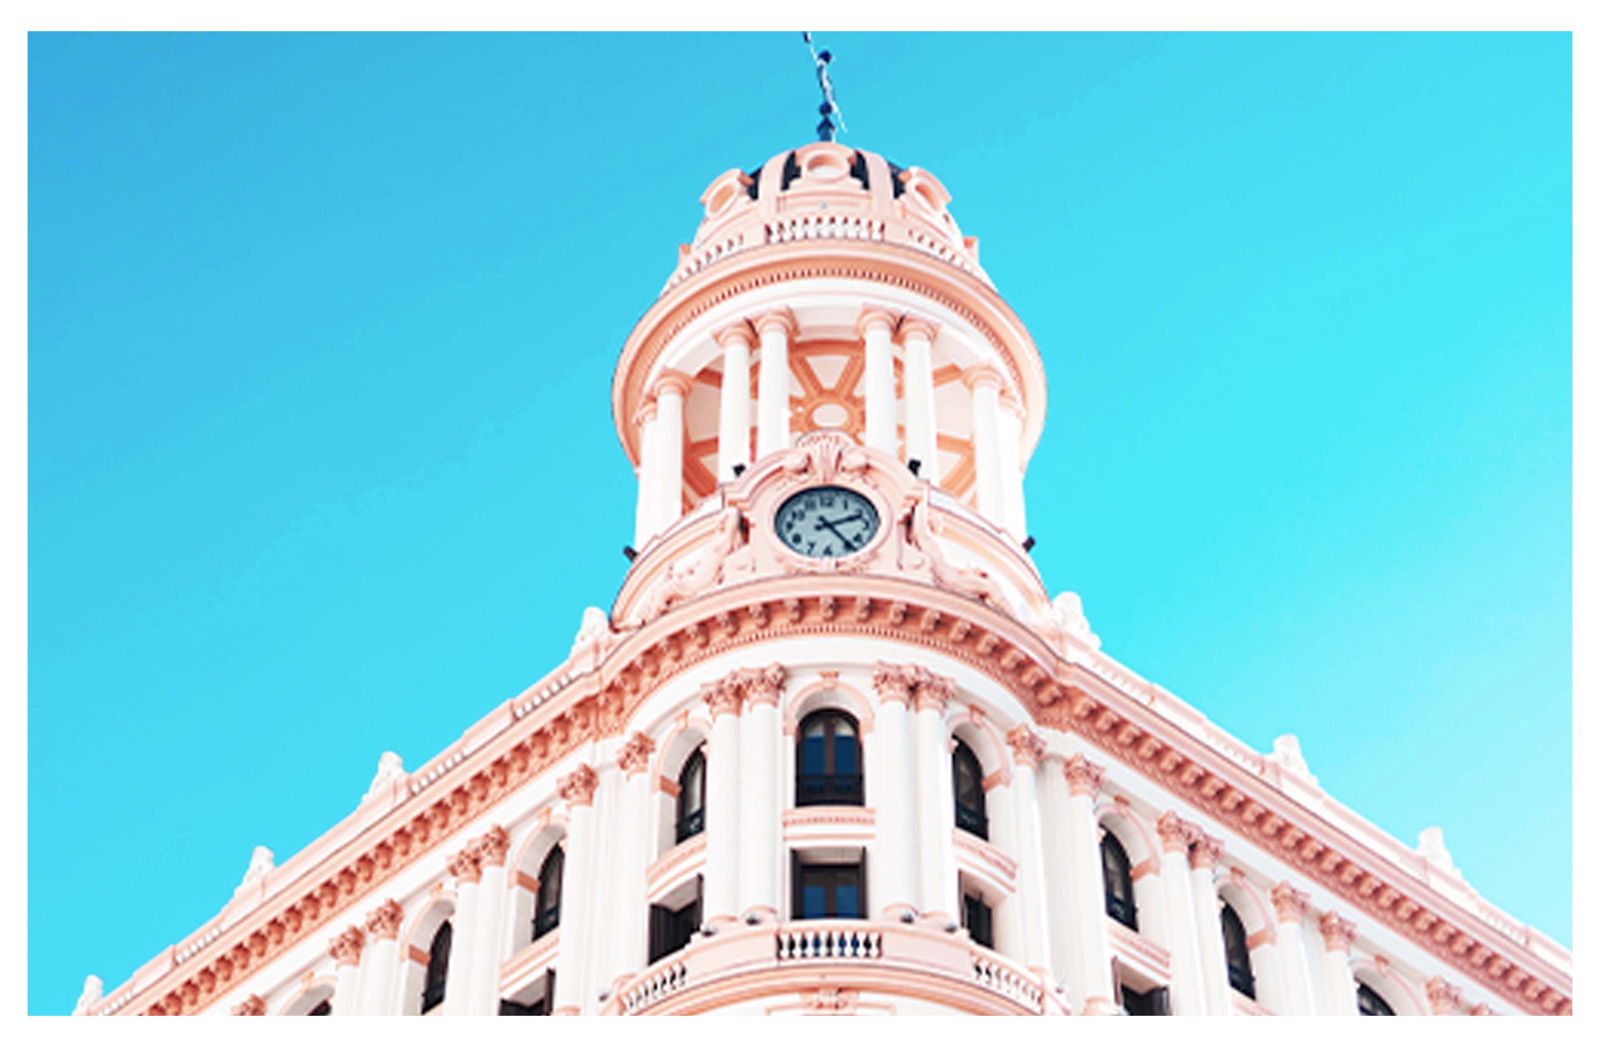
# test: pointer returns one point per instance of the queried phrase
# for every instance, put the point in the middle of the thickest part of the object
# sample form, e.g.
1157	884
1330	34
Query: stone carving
1206	852
1083	778
594	637
261	863
383	923
1068	611
1027	748
698	572
894	683
463	865
1430	844
830	1000
1338	934
730	693
252	1006
93	988
490	848
1176	834
578	787
1288	903
1286	747
634	756
391	771
924	553
346	947
825	457
1443	997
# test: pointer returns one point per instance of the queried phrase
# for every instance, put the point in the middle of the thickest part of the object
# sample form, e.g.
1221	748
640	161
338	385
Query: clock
826	522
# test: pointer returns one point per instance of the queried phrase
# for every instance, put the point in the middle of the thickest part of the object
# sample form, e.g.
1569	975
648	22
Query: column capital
934	692
463	865
1176	834
1027	748
917	327
1010	401
1443	997
980	375
490	849
738	331
1083	778
1288	903
1338	933
875	316
777	318
578	787
634	755
383	923
894	683
763	686
251	1006
671	381
723	697
346	947
1206	852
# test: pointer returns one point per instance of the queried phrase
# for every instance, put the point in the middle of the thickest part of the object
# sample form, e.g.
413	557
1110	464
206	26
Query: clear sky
321	460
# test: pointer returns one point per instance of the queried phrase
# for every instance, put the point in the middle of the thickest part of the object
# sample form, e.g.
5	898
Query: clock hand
829	524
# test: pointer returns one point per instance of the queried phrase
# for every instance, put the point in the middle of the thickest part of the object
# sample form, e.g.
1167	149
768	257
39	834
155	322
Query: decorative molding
578	787
634	756
346	947
1176	834
1443	997
1061	695
1027	748
251	1006
1206	852
1338	933
463	865
490	849
1083	777
1290	905
894	683
383	923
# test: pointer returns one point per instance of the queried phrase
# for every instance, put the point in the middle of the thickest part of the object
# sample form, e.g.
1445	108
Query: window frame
1116	874
1236	952
834	874
436	976
547	911
972	818
829	787
688	824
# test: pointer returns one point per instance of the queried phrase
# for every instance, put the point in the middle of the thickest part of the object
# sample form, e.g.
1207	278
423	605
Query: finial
829	107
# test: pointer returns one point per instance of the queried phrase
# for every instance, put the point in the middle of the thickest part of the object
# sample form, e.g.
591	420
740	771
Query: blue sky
322	329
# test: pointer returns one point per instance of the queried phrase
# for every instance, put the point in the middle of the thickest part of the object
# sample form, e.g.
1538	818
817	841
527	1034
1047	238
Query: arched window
547	909
1368	1002
972	811
1117	872
1238	952
325	1009
828	760
692	796
438	968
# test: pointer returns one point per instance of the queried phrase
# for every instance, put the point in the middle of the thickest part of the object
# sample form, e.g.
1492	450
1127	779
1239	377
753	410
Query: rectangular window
538	1006
831	891
671	929
978	919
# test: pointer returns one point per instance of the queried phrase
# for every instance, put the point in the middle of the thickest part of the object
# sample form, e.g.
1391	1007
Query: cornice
1060	694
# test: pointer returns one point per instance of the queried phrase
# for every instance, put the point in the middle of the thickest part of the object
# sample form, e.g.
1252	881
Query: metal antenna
829	108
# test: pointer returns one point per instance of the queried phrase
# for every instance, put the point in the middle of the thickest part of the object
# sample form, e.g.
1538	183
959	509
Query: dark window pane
438	973
547	911
1240	975
828	760
321	1010
1369	1003
1117	872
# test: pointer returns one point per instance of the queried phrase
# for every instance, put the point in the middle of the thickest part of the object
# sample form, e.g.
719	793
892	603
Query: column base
758	914
901	912
1100	1005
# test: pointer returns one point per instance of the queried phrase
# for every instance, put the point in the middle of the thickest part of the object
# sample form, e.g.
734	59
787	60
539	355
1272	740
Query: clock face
826	522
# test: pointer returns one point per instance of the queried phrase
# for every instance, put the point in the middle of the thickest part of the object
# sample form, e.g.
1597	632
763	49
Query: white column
733	416
671	389
1188	991
630	948
1208	923
463	866
1053	834
1027	751
760	812
875	328
1088	959
1290	907
489	925
1011	466
346	952
577	789
999	800
723	697
380	962
772	399
1339	985
984	381
644	520
936	820
892	870
922	424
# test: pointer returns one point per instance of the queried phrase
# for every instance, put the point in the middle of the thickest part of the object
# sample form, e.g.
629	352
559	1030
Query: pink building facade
835	749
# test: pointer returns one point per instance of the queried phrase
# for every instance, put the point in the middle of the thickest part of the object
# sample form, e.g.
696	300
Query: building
834	749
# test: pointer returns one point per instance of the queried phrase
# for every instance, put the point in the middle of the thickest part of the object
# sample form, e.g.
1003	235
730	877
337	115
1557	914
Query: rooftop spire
829	107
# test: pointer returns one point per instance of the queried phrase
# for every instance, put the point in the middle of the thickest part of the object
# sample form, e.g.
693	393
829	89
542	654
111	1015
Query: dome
826	191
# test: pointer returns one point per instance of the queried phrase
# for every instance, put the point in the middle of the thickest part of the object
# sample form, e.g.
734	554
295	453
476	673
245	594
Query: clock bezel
862	491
